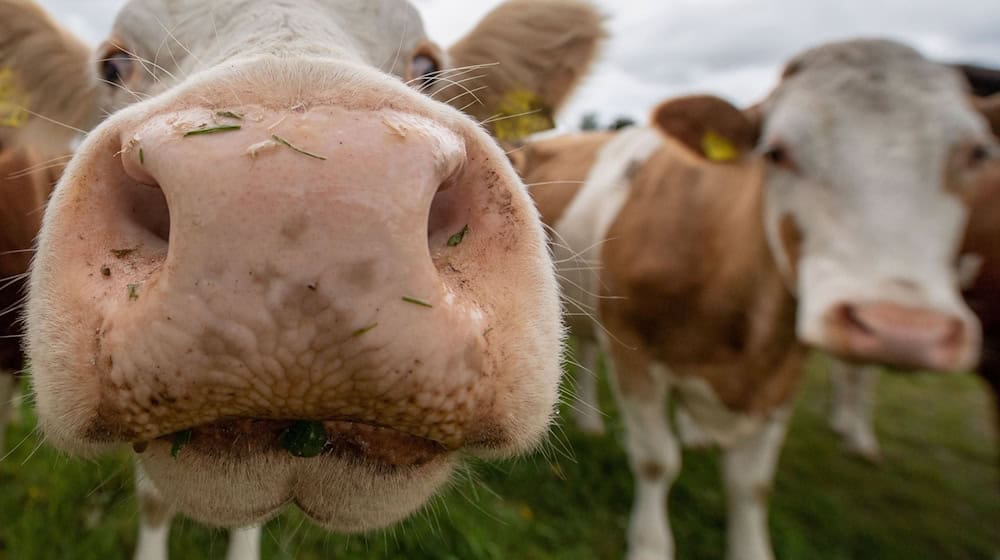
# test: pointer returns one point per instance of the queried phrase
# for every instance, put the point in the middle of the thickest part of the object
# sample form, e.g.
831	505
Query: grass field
936	497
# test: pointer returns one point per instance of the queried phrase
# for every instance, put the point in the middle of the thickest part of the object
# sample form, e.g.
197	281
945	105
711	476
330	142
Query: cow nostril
448	221
148	210
142	203
850	318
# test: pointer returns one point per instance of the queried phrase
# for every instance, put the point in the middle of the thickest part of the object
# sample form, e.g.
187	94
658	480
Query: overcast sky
733	48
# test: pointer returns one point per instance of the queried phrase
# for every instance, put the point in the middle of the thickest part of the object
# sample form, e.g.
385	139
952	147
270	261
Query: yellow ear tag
13	101
718	148
520	113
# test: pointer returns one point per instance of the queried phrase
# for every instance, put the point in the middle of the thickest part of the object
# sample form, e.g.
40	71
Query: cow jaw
294	259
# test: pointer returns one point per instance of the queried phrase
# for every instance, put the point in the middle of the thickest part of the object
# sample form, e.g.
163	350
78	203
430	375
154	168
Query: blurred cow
716	246
282	275
854	385
47	98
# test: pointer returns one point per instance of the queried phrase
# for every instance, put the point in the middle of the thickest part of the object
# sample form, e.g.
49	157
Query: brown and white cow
274	249
717	245
47	97
854	385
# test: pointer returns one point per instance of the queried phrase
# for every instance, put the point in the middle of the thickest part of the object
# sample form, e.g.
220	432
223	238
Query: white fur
652	449
750	446
587	407
852	404
748	471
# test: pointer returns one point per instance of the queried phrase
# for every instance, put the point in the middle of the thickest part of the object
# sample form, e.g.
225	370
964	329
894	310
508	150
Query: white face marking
583	227
869	130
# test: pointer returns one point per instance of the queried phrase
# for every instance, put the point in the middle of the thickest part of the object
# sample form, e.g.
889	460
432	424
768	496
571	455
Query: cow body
708	268
714	331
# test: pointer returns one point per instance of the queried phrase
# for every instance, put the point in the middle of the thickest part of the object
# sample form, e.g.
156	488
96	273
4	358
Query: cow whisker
399	49
461	95
51	120
466	89
124	88
36	430
8	280
48	164
498	118
543	183
450	72
144	62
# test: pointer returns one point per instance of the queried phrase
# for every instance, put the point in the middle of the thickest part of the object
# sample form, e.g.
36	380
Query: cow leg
748	471
155	516
854	389
244	543
7	385
586	407
654	457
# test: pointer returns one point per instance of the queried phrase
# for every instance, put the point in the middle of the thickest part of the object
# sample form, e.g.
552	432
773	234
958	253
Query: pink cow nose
901	336
281	265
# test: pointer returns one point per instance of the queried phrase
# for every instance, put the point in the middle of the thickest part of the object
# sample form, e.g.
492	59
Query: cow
715	246
854	385
285	271
47	99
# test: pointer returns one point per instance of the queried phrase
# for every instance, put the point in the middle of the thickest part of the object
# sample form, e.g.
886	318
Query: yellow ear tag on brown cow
13	100
520	113
718	148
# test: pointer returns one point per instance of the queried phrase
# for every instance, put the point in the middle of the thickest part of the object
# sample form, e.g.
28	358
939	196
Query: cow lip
350	439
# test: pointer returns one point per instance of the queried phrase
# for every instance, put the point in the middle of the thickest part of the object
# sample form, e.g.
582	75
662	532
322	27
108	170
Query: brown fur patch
693	281
990	108
689	119
554	170
51	62
791	242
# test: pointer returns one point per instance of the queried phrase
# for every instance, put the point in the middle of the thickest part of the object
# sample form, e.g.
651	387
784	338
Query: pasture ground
936	496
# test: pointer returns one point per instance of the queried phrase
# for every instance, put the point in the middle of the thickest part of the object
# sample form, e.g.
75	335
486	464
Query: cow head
276	248
869	153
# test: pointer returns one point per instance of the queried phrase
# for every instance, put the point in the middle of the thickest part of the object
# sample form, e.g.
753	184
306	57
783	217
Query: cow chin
342	493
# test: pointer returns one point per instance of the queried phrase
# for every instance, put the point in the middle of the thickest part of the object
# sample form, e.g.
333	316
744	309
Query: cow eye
422	67
116	67
779	156
978	155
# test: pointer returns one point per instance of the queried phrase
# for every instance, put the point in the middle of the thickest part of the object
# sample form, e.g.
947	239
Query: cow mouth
363	443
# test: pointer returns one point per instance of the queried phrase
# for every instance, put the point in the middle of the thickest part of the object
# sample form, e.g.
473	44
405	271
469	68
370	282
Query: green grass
934	497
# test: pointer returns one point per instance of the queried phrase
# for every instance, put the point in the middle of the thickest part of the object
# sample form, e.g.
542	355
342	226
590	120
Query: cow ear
710	127
990	108
54	91
519	65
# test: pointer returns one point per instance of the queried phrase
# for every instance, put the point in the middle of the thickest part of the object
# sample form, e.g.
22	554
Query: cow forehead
867	89
375	32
